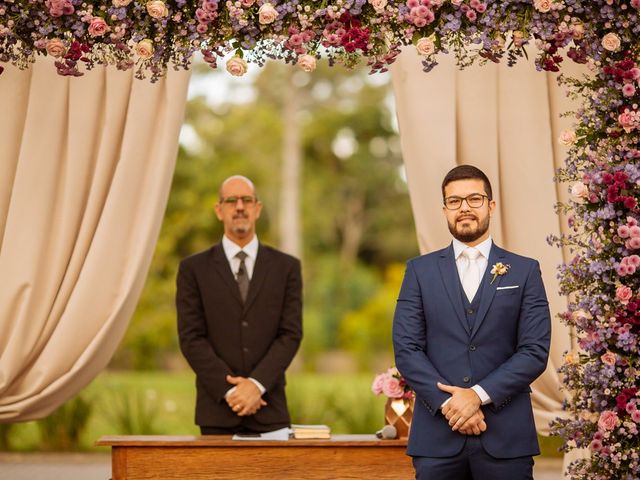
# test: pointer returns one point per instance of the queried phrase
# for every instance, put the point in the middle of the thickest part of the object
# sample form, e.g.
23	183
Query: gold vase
398	413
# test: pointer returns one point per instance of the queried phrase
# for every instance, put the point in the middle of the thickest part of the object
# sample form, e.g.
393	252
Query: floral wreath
601	280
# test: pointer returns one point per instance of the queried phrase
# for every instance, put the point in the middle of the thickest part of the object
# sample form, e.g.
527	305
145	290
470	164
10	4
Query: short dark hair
467	172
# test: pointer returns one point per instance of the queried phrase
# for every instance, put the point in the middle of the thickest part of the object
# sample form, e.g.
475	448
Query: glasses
233	201
475	200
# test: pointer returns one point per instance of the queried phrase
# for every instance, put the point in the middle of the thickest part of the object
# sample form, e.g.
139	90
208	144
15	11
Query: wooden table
219	457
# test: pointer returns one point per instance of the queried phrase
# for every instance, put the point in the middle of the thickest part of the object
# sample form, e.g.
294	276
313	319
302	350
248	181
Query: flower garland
602	280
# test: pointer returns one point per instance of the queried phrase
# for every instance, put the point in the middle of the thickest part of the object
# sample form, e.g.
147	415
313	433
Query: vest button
472	348
470	311
466	379
245	350
245	324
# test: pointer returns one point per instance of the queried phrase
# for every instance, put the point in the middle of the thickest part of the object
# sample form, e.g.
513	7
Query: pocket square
508	288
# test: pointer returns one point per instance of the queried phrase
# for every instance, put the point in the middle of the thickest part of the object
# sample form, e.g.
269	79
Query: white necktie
471	275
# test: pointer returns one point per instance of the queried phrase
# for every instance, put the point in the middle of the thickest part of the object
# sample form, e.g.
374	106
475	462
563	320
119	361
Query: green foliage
131	413
344	402
61	430
5	436
368	329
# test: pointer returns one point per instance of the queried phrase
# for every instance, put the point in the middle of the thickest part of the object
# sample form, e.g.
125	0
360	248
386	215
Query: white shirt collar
231	248
484	247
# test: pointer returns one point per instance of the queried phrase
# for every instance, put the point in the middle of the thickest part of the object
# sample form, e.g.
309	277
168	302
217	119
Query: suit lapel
221	266
449	275
260	270
488	292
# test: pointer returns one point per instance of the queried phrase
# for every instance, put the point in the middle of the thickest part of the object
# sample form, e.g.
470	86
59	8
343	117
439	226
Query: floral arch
603	278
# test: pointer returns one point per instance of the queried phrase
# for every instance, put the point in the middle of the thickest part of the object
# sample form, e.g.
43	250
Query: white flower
611	42
267	14
236	66
499	269
307	63
425	46
567	137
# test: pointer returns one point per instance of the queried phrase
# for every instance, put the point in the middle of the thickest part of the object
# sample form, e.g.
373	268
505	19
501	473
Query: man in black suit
239	309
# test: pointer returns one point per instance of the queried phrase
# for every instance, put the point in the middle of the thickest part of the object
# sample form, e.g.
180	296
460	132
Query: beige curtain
85	171
505	121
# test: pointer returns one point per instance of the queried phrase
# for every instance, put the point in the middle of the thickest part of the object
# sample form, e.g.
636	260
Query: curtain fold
506	121
85	173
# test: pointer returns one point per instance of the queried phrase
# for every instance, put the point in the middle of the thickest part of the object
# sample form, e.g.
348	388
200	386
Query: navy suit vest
471	308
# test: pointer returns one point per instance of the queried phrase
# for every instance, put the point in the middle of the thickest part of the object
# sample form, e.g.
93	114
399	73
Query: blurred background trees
324	152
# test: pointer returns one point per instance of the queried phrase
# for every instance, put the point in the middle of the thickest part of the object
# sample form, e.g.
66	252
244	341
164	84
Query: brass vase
398	412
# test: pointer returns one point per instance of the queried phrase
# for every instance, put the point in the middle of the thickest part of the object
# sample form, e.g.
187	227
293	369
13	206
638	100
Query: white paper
281	434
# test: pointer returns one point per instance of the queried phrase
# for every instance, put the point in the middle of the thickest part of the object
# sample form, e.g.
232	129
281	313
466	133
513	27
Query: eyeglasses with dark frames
233	201
475	200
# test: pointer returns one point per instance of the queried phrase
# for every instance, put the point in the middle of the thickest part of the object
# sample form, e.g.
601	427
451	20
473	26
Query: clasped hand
462	411
246	399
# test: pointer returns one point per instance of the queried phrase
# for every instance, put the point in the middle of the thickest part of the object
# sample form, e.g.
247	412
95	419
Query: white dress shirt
461	263
231	249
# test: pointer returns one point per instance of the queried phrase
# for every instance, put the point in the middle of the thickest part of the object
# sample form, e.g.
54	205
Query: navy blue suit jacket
505	352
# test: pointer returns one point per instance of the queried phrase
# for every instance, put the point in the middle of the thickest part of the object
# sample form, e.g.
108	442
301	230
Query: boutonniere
499	269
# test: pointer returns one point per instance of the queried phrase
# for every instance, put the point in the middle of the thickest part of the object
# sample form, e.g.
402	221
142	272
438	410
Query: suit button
245	324
466	379
472	348
470	311
245	349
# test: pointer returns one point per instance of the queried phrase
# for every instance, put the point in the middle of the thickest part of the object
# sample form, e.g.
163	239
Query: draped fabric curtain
506	121
85	171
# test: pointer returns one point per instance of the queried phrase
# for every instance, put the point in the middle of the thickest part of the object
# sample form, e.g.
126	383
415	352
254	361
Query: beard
469	234
241	228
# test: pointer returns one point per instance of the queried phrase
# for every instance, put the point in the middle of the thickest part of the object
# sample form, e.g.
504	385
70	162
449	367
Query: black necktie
242	277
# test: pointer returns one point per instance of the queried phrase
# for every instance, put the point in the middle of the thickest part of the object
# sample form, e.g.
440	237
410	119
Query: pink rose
471	15
608	420
236	66
635	416
632	222
55	48
425	46
634	231
579	190
157	9
626	120
624	294
635	4
378	382
628	90
611	42
391	388
634	260
144	48
608	358
413	3
419	22
596	445
267	14
307	63
542	6
98	27
247	3
624	231
567	137
633	243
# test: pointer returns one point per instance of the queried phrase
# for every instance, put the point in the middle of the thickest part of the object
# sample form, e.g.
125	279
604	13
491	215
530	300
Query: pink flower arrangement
392	385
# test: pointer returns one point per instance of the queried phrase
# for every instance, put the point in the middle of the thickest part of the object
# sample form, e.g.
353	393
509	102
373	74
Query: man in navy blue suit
471	332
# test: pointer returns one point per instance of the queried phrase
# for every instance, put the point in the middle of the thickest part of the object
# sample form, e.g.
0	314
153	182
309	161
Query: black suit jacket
220	336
